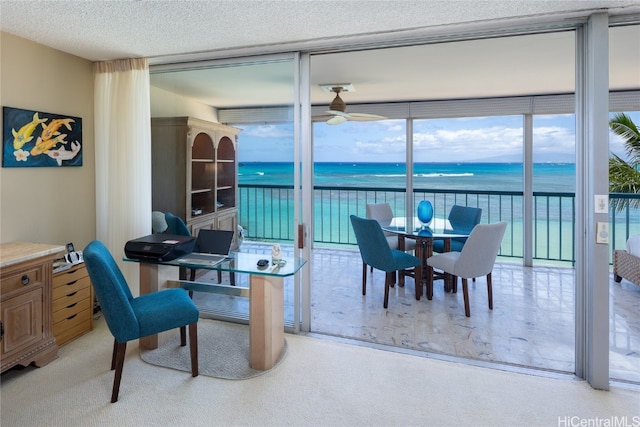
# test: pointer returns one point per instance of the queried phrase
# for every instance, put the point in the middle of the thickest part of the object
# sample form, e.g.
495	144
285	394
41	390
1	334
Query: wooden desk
26	299
265	293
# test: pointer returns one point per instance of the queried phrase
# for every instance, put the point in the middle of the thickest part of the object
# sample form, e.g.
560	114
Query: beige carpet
319	383
223	352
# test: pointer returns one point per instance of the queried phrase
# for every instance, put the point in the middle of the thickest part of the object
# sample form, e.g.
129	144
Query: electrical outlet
602	232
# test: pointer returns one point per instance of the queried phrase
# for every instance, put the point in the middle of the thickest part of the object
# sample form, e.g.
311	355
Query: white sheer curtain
123	156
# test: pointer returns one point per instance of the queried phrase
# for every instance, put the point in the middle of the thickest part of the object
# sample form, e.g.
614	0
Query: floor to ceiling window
466	133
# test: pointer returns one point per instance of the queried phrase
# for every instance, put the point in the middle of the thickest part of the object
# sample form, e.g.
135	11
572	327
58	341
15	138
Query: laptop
211	248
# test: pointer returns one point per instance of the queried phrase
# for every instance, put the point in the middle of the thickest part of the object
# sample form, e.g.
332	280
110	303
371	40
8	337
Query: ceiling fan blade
337	113
363	117
336	120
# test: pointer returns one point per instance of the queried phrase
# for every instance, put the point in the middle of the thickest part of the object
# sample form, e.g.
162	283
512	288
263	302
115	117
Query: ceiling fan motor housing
338	104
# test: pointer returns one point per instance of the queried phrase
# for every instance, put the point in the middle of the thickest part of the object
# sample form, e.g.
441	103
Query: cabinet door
229	221
22	321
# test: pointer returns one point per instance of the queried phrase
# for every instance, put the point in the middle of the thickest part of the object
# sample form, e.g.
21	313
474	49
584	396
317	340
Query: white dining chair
476	259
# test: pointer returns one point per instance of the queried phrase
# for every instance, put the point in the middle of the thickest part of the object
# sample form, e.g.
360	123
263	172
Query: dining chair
130	318
462	220
375	252
475	260
383	213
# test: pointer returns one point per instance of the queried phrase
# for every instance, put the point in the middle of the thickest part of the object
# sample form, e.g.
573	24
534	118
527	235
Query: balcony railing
266	213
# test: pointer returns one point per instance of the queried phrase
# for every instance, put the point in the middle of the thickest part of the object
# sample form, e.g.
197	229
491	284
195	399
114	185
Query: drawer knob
25	280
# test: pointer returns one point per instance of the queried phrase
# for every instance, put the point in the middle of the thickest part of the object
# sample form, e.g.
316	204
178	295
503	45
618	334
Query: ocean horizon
548	177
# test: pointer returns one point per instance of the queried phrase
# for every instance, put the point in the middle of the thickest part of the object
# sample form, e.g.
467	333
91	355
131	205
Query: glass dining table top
437	228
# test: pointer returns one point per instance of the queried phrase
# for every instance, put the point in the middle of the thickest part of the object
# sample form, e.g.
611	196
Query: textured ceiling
102	30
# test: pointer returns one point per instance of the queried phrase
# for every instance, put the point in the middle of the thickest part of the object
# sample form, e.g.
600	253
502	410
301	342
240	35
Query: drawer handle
75	303
71	317
72	294
71	283
25	280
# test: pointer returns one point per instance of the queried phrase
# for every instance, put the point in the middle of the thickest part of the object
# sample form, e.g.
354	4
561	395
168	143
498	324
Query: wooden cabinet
72	304
195	171
26	303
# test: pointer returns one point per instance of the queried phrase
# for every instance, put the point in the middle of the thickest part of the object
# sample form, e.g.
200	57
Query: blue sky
475	139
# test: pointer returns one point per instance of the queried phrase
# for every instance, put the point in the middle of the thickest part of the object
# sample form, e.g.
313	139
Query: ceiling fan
337	109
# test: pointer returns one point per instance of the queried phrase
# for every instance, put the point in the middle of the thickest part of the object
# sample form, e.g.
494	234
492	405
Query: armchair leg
120	352
193	347
490	291
465	291
183	336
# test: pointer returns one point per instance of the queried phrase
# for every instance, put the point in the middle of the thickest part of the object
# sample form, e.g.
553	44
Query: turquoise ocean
551	177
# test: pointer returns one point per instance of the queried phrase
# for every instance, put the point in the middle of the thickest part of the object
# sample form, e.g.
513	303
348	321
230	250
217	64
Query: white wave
436	175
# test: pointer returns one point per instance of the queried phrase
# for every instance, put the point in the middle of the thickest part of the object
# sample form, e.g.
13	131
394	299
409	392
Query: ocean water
551	177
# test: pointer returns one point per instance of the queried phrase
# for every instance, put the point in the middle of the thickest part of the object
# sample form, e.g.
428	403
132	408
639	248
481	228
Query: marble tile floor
531	325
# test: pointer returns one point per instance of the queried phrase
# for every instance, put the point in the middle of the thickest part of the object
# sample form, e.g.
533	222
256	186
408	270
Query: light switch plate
602	232
601	203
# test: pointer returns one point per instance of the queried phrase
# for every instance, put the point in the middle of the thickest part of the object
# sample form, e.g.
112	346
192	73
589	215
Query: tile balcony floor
531	324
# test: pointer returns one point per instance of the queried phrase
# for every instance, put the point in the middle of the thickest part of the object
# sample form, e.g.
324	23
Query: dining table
424	235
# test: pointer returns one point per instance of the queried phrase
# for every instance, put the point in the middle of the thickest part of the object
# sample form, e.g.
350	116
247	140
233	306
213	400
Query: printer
159	247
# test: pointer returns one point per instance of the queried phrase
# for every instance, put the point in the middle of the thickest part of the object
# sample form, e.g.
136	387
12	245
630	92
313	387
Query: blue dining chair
462	220
130	318
375	251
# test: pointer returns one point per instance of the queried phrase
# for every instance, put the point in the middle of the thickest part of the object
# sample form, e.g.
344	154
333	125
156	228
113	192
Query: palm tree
624	175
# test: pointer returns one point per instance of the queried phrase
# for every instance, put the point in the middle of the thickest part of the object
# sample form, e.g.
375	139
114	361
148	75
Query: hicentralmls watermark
615	421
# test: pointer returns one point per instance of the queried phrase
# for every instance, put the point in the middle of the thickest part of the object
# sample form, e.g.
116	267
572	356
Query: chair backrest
175	225
158	222
464	218
112	292
480	251
382	213
373	245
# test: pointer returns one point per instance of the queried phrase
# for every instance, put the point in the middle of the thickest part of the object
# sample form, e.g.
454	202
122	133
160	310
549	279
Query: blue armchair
130	318
375	251
462	220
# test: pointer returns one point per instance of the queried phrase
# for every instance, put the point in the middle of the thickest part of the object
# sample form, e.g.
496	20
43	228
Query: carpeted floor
320	383
223	352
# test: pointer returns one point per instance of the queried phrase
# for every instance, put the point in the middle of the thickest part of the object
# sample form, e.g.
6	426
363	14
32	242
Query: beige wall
49	204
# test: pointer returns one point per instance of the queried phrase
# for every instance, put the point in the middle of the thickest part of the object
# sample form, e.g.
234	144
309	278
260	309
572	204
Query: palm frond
622	125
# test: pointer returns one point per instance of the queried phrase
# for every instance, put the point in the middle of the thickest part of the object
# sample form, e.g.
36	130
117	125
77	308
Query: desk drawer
72	309
71	300
66	289
28	277
65	277
69	328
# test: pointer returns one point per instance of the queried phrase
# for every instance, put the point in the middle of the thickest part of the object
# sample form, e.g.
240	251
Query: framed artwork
37	139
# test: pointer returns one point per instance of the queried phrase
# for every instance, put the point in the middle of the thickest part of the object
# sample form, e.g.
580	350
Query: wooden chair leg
364	278
490	291
465	291
219	276
193	347
113	355
387	280
183	336
120	352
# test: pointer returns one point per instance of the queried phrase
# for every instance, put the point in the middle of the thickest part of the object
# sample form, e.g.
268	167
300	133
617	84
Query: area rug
223	352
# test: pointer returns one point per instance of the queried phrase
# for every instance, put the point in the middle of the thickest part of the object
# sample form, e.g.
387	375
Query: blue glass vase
425	212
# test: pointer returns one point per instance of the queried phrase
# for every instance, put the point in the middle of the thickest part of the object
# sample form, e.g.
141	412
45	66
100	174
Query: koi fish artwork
51	129
28	134
25	134
63	154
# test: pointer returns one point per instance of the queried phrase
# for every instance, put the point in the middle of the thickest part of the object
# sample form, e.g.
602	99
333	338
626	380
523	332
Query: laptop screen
214	242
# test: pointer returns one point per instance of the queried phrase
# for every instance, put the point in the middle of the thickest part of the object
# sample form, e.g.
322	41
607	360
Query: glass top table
243	262
265	293
424	237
